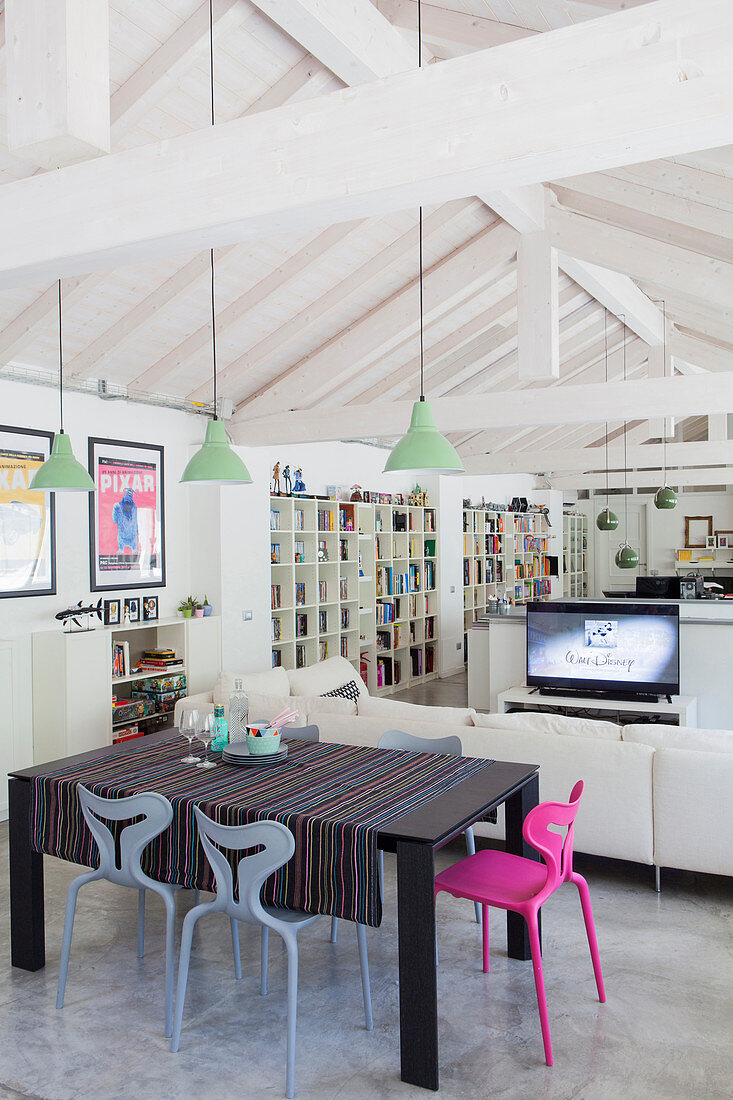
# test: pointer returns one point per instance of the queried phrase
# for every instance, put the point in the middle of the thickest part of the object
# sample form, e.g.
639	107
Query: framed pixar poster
27	518
126	515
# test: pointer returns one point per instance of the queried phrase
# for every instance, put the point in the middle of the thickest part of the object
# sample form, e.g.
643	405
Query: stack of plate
239	755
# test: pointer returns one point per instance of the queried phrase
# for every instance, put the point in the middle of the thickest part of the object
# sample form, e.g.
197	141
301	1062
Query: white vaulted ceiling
327	317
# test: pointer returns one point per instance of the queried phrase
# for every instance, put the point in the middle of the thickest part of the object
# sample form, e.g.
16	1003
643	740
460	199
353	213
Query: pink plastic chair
523	885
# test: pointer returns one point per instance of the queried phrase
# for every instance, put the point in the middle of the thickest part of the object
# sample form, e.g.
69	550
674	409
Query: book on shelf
430	519
345	647
322	651
322	622
344	618
275	553
399	522
429	548
277	629
396	672
346	519
300	656
275	597
385	613
384	640
398	636
159	654
416	661
299	550
301	624
325	519
120	659
413	632
322	591
146	665
429	628
274	520
277	658
298	518
429	659
429	576
344	549
300	593
344	588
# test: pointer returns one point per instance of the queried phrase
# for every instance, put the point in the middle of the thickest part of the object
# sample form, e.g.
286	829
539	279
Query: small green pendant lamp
665	498
606	520
215	463
61	473
423	450
626	556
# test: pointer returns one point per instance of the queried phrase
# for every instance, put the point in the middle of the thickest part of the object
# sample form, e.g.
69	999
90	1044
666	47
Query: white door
610	577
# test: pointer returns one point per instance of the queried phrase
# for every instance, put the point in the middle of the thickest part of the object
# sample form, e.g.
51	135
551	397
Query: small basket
265	745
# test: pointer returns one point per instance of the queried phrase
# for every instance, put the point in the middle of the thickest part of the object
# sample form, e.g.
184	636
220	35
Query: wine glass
187	724
205	733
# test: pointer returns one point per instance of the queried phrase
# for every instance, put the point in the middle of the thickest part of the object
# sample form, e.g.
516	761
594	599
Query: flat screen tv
627	649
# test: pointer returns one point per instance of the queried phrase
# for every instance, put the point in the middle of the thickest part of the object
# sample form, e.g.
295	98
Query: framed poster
27	518
126	515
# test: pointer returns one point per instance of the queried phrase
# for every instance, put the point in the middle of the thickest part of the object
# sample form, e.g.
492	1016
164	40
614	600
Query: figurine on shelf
276	479
356	493
288	484
299	486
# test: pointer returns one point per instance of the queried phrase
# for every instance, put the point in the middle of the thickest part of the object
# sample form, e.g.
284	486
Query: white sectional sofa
654	794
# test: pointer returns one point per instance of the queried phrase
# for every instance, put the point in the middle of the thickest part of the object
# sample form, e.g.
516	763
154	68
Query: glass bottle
221	732
238	713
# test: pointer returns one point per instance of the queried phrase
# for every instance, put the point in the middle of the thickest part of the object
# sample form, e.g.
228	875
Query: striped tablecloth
333	798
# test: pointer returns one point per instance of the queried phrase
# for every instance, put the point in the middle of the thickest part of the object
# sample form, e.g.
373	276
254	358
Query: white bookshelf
575	554
374	600
73	683
505	556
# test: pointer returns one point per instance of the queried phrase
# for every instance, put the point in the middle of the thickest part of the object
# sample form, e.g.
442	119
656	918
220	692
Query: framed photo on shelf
150	608
126	515
132	609
111	612
697	529
27	518
725	539
710	543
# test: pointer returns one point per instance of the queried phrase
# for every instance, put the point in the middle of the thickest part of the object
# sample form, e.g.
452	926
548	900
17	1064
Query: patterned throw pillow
346	691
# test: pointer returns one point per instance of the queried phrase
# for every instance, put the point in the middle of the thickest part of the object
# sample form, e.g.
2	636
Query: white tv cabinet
73	683
683	708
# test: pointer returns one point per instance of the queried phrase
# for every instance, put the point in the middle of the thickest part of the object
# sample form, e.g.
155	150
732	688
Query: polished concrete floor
665	1031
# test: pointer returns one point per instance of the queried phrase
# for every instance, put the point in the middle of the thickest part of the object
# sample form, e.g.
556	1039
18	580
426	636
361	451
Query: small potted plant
207	607
198	609
186	607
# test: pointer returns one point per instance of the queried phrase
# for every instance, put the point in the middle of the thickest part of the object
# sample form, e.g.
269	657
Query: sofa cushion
326	675
269	706
550	723
350	691
373	707
316	705
273	682
661	736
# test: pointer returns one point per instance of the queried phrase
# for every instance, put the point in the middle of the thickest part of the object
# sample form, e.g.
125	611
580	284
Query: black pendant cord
605	352
664	369
422	342
213	302
61	369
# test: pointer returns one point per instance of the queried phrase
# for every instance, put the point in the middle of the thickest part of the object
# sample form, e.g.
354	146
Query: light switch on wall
247	616
452	588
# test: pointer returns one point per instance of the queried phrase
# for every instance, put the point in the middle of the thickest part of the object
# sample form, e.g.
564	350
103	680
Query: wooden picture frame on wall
697	531
27	517
724	540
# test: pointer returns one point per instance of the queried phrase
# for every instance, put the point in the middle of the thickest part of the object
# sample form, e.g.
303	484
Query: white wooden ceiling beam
57	63
440	24
700	353
352	39
565	460
677	396
23	329
709	475
499	118
538	307
477	263
663	264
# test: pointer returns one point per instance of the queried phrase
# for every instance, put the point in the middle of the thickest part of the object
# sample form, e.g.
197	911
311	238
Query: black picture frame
126	464
31	446
132	606
112	612
150	609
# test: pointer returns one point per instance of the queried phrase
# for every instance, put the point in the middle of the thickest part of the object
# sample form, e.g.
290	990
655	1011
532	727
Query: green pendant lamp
665	498
215	463
61	473
626	556
423	450
606	520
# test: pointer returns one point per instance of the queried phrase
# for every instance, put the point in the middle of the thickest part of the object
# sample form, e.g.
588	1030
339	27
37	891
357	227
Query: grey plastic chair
451	746
276	846
157	814
303	733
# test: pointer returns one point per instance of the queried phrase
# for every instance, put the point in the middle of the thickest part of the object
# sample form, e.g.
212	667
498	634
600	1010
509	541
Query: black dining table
414	837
